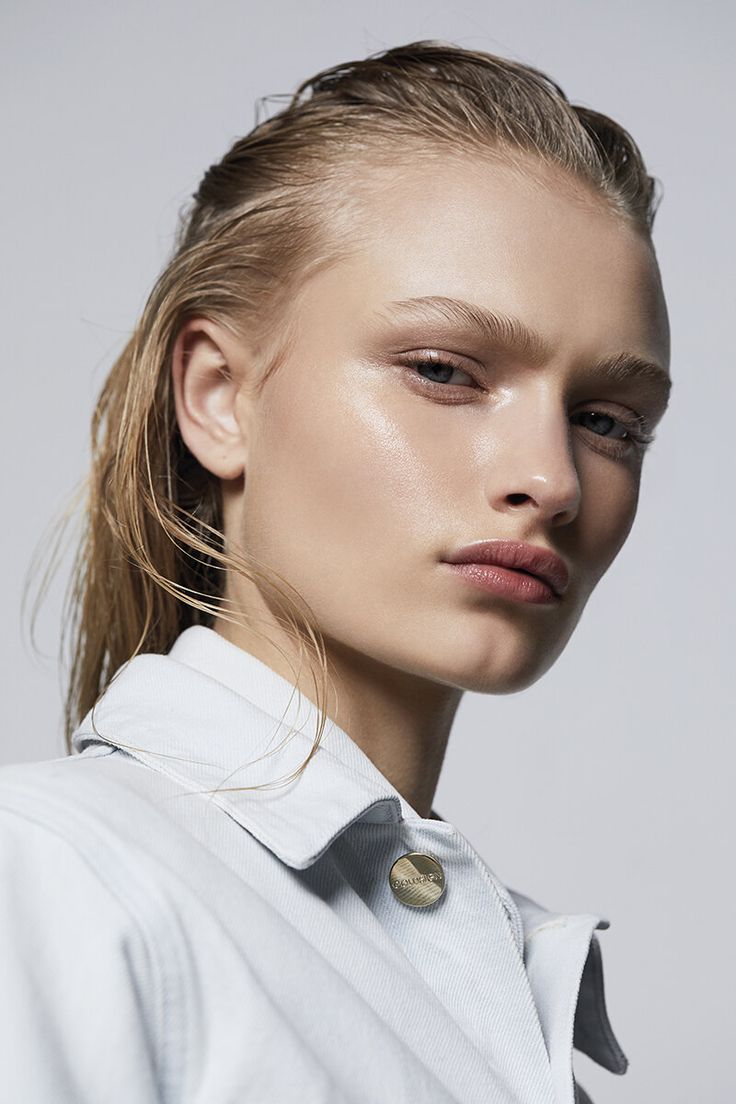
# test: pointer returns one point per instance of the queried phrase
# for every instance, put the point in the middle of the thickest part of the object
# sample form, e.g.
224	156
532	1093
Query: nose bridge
534	459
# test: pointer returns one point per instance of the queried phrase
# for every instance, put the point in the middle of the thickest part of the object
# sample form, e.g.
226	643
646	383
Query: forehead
525	240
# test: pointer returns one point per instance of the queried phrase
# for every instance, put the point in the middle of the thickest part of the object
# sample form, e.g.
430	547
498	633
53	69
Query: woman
377	436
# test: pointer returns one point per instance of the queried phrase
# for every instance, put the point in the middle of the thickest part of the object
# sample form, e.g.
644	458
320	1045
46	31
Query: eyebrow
499	328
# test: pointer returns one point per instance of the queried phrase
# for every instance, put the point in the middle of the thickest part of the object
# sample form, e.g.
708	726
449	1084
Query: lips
519	556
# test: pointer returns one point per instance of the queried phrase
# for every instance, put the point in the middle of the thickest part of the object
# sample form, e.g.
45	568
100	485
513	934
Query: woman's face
366	468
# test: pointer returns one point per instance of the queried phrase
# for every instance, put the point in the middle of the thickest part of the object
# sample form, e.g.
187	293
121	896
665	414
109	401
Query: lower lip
507	582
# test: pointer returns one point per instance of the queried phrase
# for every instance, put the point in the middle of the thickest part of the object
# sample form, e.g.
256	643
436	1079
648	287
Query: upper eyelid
437	352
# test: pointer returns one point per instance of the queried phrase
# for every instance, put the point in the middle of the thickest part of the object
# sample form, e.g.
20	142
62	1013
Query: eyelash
637	434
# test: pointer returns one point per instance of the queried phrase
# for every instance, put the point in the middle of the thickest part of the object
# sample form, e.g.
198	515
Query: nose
533	466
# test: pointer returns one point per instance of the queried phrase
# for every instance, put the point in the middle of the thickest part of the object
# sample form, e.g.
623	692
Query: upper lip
539	561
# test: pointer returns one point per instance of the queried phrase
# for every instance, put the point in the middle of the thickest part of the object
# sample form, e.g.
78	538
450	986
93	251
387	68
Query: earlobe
206	376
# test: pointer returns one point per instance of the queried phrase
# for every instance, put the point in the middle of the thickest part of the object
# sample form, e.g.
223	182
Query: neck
400	721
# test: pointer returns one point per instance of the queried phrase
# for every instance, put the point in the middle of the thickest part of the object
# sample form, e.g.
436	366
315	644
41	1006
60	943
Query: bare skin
354	474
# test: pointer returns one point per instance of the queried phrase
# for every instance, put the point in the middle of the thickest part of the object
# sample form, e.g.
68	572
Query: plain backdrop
607	786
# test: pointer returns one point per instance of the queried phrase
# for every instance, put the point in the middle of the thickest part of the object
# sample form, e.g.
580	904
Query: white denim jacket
158	944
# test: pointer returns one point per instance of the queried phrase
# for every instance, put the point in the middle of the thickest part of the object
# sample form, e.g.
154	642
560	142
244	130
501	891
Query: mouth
527	571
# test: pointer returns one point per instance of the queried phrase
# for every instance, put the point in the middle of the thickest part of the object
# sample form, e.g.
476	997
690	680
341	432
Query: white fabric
162	944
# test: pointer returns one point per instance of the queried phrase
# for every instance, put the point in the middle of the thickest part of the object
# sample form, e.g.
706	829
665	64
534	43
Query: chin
508	681
505	662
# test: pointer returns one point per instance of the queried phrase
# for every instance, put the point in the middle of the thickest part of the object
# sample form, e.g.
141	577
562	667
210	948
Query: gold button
417	879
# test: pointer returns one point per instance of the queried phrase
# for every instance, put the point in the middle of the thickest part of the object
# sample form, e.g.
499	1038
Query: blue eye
442	366
629	429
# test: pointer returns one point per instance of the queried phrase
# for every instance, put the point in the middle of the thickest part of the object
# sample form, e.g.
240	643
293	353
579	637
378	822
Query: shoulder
58	805
85	948
101	817
61	839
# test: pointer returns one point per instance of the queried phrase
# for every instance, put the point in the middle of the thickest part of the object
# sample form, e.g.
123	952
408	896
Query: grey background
606	787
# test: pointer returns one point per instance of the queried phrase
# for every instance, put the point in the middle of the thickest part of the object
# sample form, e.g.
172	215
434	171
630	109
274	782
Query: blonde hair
152	559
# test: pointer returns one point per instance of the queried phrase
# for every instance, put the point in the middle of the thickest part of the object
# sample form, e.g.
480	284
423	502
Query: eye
443	367
622	433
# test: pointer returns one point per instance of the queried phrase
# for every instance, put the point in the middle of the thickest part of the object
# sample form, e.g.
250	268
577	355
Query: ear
207	369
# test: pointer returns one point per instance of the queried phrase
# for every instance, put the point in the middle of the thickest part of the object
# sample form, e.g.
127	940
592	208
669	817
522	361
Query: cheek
334	493
609	500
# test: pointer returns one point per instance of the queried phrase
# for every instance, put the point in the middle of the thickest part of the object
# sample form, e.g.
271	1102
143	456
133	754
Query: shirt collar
213	715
